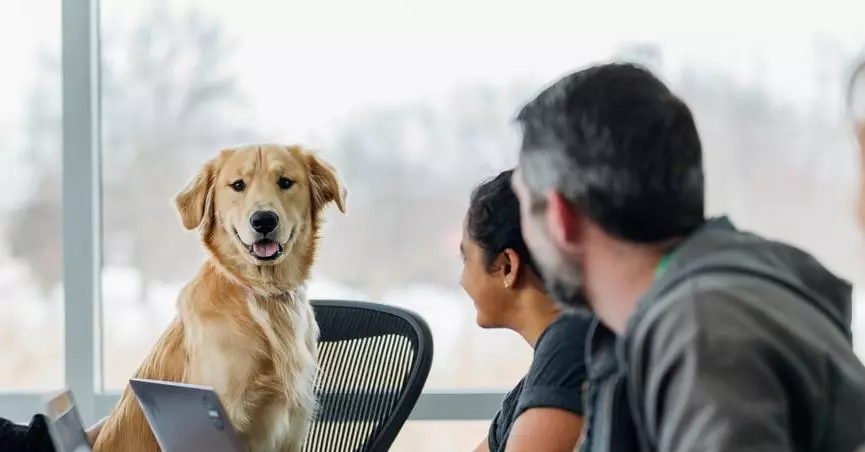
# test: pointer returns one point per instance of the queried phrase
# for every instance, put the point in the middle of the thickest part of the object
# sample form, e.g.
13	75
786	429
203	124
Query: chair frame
417	376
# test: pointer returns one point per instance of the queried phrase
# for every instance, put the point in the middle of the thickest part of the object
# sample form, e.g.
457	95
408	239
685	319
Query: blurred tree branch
169	101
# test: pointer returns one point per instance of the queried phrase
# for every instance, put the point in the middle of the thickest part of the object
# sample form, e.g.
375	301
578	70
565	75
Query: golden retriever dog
244	325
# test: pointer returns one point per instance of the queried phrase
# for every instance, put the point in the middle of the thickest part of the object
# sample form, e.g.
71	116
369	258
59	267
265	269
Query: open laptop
185	417
64	424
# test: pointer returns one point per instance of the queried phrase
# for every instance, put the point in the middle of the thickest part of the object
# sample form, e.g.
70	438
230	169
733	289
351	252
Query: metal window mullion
457	405
81	206
437	405
20	406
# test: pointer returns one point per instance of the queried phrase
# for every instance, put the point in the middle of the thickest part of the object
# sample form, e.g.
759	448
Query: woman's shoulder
558	372
568	330
560	352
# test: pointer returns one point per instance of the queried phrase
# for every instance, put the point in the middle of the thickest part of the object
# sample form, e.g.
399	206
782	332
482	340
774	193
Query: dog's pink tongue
266	249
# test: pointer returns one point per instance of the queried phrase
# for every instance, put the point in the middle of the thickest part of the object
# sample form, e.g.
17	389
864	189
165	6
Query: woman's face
486	288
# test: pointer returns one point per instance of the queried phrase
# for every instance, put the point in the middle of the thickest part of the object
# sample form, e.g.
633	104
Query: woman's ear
511	267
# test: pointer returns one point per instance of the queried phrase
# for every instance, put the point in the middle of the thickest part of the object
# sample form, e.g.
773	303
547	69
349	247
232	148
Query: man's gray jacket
742	344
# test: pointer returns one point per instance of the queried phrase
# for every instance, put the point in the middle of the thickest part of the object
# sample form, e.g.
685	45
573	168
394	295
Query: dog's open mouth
265	250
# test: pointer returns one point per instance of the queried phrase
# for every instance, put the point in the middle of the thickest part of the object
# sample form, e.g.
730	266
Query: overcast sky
306	61
304	65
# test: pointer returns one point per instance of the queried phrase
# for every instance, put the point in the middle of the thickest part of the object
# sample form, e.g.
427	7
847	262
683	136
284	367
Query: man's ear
195	203
562	220
324	185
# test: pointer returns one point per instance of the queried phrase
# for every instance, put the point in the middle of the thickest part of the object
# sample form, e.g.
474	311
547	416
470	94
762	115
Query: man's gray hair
620	147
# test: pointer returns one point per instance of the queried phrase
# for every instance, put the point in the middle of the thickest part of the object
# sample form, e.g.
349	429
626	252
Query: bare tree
169	102
410	168
168	99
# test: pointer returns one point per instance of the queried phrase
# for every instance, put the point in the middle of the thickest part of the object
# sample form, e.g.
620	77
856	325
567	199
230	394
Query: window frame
82	247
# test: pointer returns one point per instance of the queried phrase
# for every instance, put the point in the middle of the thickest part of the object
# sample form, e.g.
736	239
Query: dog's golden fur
244	326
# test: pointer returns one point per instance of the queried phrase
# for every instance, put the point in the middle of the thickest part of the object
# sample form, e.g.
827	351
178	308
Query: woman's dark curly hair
493	220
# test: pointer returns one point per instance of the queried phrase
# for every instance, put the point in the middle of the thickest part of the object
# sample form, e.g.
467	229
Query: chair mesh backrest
373	363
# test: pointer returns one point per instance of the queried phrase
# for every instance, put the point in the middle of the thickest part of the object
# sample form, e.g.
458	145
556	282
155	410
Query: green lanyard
665	262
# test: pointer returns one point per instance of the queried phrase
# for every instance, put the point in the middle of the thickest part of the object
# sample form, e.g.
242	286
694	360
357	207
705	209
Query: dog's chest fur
263	365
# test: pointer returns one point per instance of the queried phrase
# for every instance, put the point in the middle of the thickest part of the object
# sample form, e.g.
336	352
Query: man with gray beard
709	338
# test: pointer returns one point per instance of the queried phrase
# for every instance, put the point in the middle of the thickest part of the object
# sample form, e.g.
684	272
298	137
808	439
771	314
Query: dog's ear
324	185
195	203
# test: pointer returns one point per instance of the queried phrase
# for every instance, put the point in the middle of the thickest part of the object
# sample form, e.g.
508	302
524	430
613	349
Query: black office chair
374	361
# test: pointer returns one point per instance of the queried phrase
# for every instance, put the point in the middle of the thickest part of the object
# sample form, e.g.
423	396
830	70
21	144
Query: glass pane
415	106
31	271
856	94
436	436
177	86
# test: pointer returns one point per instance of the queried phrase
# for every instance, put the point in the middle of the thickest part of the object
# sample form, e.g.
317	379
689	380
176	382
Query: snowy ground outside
31	331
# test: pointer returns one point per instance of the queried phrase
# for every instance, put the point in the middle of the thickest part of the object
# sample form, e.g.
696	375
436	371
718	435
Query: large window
414	108
31	271
413	103
411	126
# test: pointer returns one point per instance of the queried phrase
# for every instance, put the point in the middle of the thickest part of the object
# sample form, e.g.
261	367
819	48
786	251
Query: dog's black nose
263	221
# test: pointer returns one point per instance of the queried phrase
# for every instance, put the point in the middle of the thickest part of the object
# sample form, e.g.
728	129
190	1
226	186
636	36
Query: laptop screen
67	430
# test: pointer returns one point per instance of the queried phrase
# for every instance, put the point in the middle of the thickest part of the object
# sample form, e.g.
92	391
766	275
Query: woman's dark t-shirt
554	380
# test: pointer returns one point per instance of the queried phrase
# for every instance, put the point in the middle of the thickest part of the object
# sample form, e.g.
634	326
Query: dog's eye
238	185
284	183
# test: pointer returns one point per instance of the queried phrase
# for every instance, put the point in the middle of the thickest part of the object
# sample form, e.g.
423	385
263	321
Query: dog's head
257	205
